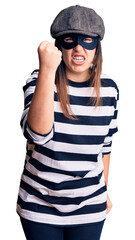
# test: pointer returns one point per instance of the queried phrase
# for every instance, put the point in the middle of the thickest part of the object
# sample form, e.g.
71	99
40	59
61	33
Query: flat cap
78	19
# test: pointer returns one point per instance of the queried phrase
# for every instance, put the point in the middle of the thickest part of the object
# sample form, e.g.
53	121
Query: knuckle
44	45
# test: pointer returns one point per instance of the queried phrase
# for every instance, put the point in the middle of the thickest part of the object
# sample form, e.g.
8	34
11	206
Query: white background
24	24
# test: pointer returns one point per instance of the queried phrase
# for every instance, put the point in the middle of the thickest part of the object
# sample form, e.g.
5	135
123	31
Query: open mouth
78	59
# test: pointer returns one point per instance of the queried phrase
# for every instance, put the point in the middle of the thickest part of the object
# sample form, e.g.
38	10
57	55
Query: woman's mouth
78	59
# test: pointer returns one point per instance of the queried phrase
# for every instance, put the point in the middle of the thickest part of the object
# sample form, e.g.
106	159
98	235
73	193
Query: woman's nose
78	47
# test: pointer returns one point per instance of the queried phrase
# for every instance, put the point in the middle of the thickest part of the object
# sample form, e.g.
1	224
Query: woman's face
78	59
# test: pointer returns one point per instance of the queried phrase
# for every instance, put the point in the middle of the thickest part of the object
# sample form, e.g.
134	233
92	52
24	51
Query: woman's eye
88	40
68	39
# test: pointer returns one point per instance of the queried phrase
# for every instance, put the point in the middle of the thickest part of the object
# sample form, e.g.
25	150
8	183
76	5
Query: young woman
69	121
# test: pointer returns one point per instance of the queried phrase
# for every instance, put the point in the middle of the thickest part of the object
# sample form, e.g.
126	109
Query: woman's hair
95	82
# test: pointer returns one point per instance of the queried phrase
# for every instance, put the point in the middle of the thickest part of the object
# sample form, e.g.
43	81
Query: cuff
39	138
106	149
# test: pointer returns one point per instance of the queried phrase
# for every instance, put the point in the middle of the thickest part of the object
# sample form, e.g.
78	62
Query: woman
69	121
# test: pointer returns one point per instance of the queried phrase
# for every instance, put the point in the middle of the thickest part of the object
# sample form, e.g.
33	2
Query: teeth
78	58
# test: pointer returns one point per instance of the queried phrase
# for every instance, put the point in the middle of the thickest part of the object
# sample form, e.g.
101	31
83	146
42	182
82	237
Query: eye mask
74	39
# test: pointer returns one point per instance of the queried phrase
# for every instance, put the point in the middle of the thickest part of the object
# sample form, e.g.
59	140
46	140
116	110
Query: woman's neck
78	76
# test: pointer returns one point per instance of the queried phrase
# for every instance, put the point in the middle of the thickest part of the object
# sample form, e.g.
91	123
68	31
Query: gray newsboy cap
78	19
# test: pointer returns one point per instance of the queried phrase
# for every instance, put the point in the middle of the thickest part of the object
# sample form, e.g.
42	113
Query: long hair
95	82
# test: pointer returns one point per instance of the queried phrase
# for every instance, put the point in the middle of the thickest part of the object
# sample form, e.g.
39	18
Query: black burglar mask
71	40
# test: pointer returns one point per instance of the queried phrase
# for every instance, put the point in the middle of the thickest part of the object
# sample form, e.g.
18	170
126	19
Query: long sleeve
28	132
113	127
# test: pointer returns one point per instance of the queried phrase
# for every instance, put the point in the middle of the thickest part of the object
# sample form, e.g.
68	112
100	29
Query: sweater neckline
78	84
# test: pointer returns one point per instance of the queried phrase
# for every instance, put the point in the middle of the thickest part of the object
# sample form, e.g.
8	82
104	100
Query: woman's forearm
41	112
106	162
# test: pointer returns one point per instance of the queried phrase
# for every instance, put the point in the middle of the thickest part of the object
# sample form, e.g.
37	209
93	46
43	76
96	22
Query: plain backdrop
24	25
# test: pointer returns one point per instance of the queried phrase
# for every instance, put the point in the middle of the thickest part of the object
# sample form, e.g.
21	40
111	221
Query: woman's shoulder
107	81
36	71
32	75
30	79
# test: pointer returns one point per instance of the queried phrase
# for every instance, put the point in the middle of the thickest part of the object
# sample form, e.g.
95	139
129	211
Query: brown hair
95	82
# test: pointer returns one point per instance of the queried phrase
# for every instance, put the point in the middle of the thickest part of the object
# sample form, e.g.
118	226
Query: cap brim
73	31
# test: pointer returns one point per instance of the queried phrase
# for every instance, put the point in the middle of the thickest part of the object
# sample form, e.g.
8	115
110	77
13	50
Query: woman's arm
106	162
41	112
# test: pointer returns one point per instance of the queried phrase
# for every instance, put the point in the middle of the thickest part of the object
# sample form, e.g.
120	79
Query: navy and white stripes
63	182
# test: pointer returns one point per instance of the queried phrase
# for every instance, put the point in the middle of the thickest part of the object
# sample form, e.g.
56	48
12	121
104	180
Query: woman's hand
49	56
109	204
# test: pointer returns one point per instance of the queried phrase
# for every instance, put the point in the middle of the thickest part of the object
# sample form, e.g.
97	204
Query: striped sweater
62	182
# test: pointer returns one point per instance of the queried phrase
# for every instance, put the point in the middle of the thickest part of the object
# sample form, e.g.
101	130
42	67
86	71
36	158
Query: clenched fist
49	56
